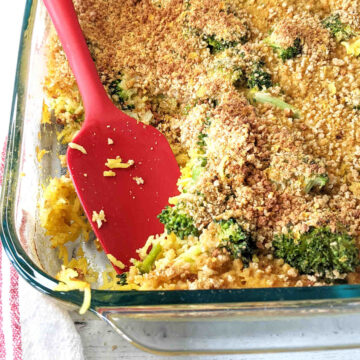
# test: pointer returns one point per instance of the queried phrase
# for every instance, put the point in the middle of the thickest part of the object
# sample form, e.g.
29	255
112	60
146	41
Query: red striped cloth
10	342
32	327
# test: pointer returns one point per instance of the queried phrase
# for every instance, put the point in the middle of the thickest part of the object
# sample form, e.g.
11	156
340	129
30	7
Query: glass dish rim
106	298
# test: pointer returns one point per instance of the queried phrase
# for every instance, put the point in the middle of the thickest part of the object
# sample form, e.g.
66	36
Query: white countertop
99	340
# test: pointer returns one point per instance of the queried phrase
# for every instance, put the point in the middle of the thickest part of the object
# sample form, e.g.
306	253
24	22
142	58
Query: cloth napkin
32	325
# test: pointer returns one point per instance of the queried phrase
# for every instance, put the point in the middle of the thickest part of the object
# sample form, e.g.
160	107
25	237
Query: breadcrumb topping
184	67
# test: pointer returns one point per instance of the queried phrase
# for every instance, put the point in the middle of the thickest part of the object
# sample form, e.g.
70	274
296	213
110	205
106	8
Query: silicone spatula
129	202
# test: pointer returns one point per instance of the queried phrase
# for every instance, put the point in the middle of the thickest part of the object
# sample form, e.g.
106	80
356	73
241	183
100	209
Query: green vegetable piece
265	98
285	53
319	252
198	169
239	78
341	31
316	182
146	265
201	141
122	278
177	221
236	241
259	78
292	51
121	95
217	45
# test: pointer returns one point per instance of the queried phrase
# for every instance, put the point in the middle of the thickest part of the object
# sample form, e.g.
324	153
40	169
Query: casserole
242	320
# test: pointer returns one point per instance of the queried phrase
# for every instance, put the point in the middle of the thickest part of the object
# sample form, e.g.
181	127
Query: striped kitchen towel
32	326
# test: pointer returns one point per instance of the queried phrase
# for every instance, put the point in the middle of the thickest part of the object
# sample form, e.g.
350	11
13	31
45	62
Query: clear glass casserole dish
242	321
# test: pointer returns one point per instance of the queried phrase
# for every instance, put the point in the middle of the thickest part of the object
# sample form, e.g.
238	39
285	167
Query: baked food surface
260	102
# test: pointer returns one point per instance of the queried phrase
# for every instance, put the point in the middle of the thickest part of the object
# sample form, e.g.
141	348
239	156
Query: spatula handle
65	20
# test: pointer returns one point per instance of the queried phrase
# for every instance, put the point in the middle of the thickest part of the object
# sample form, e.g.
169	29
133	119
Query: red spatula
121	209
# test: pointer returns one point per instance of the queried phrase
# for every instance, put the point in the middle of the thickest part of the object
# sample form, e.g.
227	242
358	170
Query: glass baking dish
203	321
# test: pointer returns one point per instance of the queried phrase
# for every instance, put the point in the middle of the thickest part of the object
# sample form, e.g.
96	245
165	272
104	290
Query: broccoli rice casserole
260	102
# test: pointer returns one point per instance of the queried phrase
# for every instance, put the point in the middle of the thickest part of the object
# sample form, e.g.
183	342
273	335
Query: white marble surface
99	340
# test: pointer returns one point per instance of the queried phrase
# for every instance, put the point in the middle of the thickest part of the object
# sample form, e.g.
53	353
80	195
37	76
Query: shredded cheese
40	153
352	47
109	173
46	114
68	281
118	164
77	147
98	217
115	261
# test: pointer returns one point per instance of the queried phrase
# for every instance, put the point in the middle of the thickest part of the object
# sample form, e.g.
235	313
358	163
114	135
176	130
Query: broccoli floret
120	95
264	98
337	28
256	78
146	265
291	51
201	141
200	162
213	103
216	45
178	222
122	278
286	53
319	252
259	78
239	78
316	182
224	29
236	240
